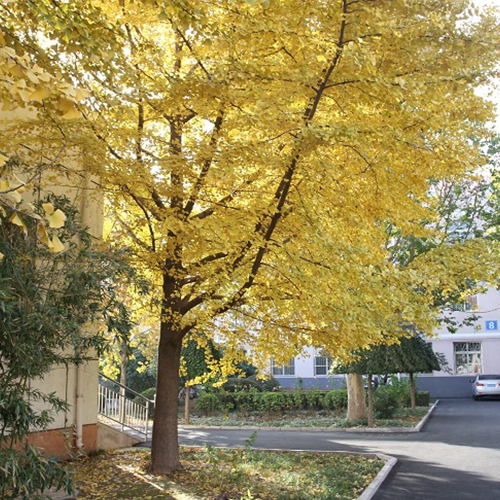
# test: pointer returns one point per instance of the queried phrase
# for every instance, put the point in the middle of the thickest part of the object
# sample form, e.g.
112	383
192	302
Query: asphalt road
455	457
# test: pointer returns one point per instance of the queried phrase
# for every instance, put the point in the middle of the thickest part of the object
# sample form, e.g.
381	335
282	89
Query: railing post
117	407
121	403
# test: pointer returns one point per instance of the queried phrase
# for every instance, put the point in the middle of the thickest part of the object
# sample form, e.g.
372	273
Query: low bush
385	402
402	392
237	384
251	400
335	399
247	401
274	402
422	398
299	399
266	384
208	403
314	399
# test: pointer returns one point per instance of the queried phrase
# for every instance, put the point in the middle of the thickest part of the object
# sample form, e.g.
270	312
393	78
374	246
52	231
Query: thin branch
206	164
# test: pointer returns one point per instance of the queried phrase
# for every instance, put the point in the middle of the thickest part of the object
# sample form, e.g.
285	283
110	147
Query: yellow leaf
43	235
24	95
8	106
56	245
39	95
1	255
48	207
81	94
17	196
72	114
15	219
32	76
3	160
65	105
56	219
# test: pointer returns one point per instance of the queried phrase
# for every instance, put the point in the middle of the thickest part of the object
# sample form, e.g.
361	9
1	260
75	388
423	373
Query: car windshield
489	377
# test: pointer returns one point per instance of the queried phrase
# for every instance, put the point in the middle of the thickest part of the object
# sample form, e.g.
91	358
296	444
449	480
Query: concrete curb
361	430
373	487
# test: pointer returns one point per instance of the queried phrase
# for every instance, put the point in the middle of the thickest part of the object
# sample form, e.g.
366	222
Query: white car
485	385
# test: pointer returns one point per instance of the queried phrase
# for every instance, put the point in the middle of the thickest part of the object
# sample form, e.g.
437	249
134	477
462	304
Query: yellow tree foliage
253	151
27	88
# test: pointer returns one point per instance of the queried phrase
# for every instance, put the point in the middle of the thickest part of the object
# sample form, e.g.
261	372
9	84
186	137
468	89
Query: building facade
473	348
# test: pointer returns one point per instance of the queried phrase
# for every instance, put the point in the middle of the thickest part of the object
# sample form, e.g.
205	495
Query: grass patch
403	418
224	474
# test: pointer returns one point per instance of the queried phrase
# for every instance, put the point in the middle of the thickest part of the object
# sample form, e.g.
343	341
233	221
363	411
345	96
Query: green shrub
401	391
314	399
274	402
236	384
149	393
422	398
298	399
385	402
246	401
208	403
335	399
226	400
267	384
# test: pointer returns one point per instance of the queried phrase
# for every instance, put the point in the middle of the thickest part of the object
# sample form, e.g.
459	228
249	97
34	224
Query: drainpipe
79	407
79	402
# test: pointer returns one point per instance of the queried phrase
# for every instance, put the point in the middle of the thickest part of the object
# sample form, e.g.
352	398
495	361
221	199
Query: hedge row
387	400
271	402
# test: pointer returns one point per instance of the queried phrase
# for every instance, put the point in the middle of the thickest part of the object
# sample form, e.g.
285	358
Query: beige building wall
76	429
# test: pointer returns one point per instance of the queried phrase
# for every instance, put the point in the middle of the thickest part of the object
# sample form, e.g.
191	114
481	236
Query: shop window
467	357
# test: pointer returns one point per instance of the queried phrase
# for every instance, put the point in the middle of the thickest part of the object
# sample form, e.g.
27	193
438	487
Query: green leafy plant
385	402
335	399
314	399
208	403
47	300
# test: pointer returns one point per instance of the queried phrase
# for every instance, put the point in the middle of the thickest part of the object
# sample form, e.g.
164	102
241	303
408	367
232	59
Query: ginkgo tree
254	151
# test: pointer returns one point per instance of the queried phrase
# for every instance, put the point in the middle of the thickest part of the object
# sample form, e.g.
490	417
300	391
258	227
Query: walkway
455	457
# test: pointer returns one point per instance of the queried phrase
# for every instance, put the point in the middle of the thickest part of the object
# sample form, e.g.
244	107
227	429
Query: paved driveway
455	457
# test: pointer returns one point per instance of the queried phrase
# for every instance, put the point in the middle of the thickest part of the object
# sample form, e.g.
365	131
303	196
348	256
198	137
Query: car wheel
475	397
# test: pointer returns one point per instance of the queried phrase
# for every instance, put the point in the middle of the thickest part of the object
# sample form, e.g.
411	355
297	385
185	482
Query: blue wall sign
492	325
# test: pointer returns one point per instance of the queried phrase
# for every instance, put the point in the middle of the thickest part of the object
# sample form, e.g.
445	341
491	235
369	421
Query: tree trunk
356	402
413	391
165	445
123	363
370	400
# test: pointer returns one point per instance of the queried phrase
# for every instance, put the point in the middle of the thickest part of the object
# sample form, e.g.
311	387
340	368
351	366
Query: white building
473	348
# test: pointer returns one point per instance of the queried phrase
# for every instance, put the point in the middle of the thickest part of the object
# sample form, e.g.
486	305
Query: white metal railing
115	404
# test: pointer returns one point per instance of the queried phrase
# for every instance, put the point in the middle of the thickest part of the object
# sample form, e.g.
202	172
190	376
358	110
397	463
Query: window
467	357
278	369
321	363
470	304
